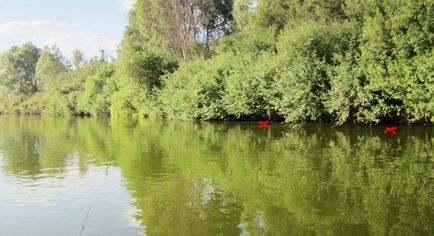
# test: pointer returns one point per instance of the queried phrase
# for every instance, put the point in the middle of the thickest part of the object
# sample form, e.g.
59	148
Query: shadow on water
187	178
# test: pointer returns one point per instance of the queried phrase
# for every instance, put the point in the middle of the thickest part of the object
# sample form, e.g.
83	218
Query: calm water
152	177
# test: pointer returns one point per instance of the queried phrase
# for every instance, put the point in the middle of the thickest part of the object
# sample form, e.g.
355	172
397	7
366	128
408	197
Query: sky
89	25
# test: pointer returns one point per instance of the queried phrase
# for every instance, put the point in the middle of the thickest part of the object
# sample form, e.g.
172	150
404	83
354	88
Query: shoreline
279	121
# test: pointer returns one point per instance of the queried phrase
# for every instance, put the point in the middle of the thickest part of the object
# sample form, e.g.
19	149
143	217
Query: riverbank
280	121
338	64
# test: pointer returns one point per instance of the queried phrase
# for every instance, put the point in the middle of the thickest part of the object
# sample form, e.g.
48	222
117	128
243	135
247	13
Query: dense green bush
194	91
98	88
302	83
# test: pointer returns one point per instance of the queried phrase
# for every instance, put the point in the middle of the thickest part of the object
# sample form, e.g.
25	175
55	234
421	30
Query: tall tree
77	58
243	12
17	69
181	27
215	19
50	67
102	56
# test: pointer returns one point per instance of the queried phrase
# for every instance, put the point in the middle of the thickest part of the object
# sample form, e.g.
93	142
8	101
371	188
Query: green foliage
317	60
17	70
182	29
329	60
243	13
82	92
303	55
50	67
392	40
139	69
77	58
96	97
248	86
194	91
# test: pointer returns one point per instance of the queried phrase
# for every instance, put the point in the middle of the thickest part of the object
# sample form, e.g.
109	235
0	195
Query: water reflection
189	178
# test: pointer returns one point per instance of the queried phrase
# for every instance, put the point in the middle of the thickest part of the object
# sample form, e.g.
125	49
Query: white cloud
126	4
66	36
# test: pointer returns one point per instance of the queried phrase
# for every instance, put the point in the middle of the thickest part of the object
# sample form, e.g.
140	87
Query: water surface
60	176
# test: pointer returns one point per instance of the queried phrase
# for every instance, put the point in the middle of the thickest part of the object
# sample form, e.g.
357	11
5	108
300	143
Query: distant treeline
317	60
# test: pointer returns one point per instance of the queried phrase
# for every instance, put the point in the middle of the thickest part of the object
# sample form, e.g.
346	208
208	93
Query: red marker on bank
391	130
264	124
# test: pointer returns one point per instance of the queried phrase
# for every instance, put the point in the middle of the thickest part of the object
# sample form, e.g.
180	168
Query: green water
153	177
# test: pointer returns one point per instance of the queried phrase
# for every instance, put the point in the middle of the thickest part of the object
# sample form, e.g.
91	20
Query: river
102	176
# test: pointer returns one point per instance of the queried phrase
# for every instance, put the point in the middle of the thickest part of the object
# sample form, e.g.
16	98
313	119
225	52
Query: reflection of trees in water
190	178
186	207
172	201
311	180
33	146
